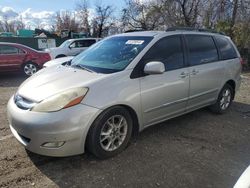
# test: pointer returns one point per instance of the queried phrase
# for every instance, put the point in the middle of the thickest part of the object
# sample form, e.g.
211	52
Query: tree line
229	16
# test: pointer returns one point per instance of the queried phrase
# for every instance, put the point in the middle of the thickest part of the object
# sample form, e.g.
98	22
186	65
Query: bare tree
7	25
141	16
190	10
103	20
82	9
66	21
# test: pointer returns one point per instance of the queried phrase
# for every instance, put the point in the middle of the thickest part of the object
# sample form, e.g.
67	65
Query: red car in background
16	57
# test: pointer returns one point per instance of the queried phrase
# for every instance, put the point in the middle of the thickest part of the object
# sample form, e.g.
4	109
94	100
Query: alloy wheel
113	133
30	69
225	99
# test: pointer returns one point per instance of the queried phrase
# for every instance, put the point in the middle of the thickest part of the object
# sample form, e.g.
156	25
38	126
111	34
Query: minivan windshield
111	55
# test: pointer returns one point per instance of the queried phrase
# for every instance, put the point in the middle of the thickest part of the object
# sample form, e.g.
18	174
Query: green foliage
240	33
223	26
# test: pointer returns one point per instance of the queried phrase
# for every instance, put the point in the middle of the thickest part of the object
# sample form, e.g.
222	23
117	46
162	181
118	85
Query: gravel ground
196	150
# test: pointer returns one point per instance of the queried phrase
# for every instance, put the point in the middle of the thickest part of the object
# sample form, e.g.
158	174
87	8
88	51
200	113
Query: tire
224	100
29	69
61	55
105	139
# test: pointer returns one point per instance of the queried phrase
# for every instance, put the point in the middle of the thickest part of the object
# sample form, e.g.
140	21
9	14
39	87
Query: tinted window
201	49
9	50
84	43
227	50
167	50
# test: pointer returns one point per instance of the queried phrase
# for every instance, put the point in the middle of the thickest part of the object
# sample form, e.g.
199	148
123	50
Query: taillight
242	62
46	56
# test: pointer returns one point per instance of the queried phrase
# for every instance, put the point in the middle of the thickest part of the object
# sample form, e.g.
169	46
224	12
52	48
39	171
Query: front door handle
183	75
194	72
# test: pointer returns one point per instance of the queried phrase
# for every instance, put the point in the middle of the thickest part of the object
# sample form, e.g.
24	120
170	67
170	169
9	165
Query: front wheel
29	69
224	100
110	133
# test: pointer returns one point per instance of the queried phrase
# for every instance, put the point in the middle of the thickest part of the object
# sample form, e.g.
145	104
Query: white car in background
71	47
58	61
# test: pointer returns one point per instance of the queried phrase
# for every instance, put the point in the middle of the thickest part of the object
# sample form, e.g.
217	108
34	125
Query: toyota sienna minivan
120	86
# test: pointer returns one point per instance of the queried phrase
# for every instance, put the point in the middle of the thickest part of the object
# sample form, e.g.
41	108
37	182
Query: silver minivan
120	86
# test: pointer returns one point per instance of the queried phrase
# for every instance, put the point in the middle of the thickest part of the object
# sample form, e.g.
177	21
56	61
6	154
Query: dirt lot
196	150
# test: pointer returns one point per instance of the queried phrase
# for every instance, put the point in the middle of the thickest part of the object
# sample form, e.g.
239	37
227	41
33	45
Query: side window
20	51
73	45
85	43
8	50
202	49
167	50
227	50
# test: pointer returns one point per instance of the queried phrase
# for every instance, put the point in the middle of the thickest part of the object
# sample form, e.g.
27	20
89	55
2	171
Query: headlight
62	100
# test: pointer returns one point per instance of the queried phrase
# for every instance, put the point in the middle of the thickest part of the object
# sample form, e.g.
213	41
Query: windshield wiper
82	67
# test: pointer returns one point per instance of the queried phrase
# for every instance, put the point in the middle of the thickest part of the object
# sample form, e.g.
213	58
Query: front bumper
33	129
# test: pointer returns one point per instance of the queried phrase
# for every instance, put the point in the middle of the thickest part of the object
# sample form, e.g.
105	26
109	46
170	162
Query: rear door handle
183	75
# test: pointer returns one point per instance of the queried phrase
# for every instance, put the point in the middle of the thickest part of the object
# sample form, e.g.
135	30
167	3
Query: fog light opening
53	144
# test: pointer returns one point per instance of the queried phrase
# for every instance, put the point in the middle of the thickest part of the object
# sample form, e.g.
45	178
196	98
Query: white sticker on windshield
135	42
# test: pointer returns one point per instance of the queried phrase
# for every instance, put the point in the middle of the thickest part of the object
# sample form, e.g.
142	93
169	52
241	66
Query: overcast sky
54	5
41	12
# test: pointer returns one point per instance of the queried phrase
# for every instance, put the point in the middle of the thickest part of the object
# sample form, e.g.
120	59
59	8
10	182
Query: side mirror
72	45
154	67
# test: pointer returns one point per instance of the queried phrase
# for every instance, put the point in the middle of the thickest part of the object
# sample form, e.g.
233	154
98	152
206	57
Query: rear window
202	49
227	50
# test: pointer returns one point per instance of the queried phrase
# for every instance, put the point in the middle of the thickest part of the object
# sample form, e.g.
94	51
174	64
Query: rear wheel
110	133
30	68
224	100
61	55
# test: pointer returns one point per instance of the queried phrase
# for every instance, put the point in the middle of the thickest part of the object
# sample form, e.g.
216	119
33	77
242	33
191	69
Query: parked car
71	47
16	57
120	86
58	61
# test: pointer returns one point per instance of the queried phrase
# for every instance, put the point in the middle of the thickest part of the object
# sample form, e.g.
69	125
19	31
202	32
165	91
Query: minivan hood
55	79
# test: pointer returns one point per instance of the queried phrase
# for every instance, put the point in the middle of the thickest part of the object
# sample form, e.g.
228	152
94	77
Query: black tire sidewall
93	138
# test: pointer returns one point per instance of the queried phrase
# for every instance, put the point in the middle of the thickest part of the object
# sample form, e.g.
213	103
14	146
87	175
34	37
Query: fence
35	43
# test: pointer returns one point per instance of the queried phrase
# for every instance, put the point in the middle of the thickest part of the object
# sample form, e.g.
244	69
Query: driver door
74	49
165	95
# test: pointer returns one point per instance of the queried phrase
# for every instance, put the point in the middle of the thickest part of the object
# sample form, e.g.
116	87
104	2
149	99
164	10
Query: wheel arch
132	112
60	55
29	61
232	83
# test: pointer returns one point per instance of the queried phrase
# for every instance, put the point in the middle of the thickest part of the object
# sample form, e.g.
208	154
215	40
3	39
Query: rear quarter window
226	49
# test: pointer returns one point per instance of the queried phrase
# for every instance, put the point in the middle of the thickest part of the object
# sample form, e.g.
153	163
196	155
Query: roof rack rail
134	30
194	29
